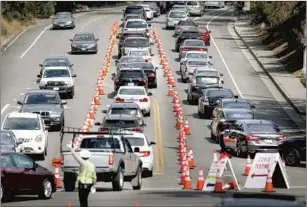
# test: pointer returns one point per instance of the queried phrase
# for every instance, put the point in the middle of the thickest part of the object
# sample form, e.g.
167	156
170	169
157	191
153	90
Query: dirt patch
12	28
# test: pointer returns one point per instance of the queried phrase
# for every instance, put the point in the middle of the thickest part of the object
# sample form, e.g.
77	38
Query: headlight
69	22
92	45
74	45
69	83
39	138
55	114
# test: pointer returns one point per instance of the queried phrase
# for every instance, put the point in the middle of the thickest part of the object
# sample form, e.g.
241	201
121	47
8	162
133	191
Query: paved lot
19	74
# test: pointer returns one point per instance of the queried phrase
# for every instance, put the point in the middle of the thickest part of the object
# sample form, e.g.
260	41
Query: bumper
83	50
147	165
60	89
144	106
195	12
52	121
252	147
32	148
171	23
61	26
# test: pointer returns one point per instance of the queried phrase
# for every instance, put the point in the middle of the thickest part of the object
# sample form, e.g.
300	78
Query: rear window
128	111
177	14
132	17
132	92
136	141
144	66
136	43
100	143
220	93
236	105
186	23
259	128
195	62
138	53
132	35
120	123
239	115
192	3
207	73
134	10
136	24
197	56
131	74
190	34
194	43
128	59
205	80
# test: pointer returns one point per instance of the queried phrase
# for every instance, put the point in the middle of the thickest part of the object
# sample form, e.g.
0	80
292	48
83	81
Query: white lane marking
4	108
222	58
196	18
15	39
298	187
36	39
28	88
14	99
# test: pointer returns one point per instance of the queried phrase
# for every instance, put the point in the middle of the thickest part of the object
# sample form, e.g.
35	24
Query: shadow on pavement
21	199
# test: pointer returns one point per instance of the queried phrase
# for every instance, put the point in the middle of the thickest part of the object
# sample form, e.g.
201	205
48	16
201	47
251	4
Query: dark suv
134	10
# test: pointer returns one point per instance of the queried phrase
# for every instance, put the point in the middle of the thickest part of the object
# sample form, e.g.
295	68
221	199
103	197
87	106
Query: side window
23	161
6	161
128	146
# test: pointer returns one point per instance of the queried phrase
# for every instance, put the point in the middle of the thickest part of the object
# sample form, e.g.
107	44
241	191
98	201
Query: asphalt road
19	70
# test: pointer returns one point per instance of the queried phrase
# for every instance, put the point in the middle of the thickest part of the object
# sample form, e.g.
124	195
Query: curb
281	90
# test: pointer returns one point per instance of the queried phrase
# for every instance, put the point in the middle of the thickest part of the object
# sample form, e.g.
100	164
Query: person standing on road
86	174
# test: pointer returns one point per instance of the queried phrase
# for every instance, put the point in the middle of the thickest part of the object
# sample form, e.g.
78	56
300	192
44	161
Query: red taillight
206	34
144	100
282	137
136	129
103	129
147	30
111	160
100	136
119	100
201	49
151	75
184	49
142	81
144	154
117	81
179	37
251	137
186	70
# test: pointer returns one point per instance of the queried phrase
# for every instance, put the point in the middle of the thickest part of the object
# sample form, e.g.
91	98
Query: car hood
83	42
26	133
57	79
40	107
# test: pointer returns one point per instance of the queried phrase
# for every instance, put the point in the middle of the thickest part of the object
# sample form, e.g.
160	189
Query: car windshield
207	73
144	66
132	92
197	56
192	3
120	123
261	128
50	73
136	43
129	59
220	93
133	10
100	143
63	16
20	123
131	74
136	141
84	37
138	53
236	105
177	14
239	115
194	43
56	62
205	80
192	34
136	24
128	111
198	63
42	99
7	138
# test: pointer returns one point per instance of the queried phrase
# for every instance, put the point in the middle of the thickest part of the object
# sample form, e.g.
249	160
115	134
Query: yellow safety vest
86	173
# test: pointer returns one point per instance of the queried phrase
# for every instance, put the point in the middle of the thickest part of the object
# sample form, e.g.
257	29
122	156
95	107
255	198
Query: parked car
293	150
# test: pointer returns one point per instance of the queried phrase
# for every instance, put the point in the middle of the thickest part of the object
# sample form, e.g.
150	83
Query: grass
11	28
303	79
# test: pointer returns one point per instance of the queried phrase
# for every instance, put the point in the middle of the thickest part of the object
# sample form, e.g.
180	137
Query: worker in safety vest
86	174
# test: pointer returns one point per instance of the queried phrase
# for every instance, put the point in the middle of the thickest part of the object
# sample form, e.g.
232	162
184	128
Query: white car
174	17
149	13
136	94
59	79
209	72
196	55
30	131
141	53
146	153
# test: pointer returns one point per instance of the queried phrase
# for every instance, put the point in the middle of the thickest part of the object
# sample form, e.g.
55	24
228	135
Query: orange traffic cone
215	159
97	100
57	176
180	123
100	89
200	180
191	158
170	91
68	204
187	181
269	183
248	166
91	114
186	127
183	163
182	177
218	187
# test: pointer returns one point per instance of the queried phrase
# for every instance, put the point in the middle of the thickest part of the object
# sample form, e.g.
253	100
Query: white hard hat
85	154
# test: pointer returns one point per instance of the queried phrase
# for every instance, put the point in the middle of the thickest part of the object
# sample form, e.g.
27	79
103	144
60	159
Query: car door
128	158
28	174
10	172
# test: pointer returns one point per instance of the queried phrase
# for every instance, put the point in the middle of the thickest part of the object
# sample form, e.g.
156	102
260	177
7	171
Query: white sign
259	171
220	165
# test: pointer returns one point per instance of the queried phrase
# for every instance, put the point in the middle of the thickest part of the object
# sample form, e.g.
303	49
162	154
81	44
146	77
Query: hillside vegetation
284	32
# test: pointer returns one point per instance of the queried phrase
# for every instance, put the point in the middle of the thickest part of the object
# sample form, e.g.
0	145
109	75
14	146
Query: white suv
30	131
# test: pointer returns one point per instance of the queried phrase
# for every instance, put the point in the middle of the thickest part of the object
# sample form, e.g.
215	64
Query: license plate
268	141
130	84
83	49
56	88
130	100
62	25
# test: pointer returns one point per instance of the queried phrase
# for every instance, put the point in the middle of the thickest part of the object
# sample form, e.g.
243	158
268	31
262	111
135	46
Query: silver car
135	43
184	25
192	45
195	55
174	17
189	67
63	20
195	8
208	72
180	7
137	25
214	4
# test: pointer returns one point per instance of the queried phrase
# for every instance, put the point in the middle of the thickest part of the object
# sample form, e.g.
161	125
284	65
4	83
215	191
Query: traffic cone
187	181
175	97
136	204
91	114
183	163
215	159
57	176
200	180
179	123
97	100
191	160
68	204
100	89
170	91
269	184
248	166
186	127
218	187
182	177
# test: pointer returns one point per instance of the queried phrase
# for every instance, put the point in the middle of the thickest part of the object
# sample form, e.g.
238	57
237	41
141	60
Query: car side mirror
149	94
149	24
71	65
123	10
210	57
152	143
63	102
19	103
236	96
156	68
116	61
253	107
39	76
221	74
97	39
113	76
222	81
209	31
74	75
143	124
117	36
35	165
70	40
47	127
122	19
104	111
18	142
136	149
97	124
41	65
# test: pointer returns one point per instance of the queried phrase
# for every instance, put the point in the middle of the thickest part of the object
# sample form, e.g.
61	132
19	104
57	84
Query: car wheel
2	192
155	85
239	152
46	190
46	151
150	173
292	157
188	99
212	136
147	114
138	180
118	182
69	182
71	94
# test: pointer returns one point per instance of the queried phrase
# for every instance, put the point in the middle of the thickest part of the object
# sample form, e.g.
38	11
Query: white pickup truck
112	156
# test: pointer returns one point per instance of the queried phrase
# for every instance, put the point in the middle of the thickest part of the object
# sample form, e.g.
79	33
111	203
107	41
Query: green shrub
303	79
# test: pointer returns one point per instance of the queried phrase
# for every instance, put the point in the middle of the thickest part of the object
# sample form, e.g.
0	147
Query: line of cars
234	120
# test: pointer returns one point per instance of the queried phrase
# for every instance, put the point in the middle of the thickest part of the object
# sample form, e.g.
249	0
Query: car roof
132	87
205	69
227	100
138	49
218	89
125	57
237	110
136	20
84	33
123	105
56	57
192	40
57	68
197	59
131	69
22	115
200	52
40	91
135	134
136	38
133	14
134	6
257	121
144	63
120	117
190	29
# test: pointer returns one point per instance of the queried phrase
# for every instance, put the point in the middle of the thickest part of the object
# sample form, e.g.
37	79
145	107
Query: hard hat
85	154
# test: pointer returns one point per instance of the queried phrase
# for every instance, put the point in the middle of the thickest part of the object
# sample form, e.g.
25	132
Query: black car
150	71
63	20
209	99
135	9
125	35
293	150
125	60
190	33
84	43
130	77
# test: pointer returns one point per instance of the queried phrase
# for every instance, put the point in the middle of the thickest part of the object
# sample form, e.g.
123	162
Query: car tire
292	157
150	173
46	190
155	85
71	94
69	182
138	178
212	136
147	114
239	152
2	193
118	182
